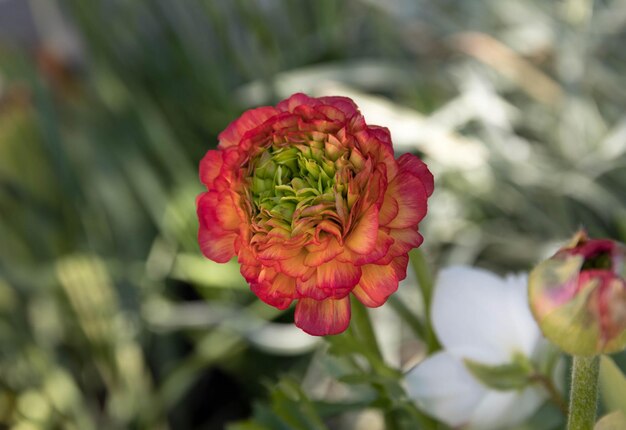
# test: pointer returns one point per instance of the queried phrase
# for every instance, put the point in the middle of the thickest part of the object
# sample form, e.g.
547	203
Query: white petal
443	388
503	409
479	315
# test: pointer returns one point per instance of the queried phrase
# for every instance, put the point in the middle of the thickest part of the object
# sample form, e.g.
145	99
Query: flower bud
578	296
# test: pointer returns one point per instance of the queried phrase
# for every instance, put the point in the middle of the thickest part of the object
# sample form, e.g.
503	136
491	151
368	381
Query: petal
217	247
504	409
363	237
323	253
278	292
388	209
295	100
410	194
478	315
337	275
444	388
380	251
376	285
404	240
249	120
399	265
344	104
210	167
228	215
412	164
323	317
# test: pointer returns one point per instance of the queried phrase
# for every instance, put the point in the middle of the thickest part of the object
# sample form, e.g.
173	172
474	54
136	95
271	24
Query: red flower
314	205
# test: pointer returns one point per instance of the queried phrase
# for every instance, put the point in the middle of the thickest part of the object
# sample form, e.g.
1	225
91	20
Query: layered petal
278	291
410	195
377	283
314	204
364	235
323	317
249	120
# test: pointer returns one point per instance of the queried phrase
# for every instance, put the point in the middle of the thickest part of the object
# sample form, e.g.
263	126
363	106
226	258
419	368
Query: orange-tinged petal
227	213
404	239
249	120
295	267
337	275
363	237
210	167
388	209
383	244
399	265
325	252
309	289
217	247
278	252
278	292
323	317
411	196
376	285
410	163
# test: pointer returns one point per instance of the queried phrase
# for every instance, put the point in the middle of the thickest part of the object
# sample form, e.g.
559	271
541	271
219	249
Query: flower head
311	200
491	348
578	296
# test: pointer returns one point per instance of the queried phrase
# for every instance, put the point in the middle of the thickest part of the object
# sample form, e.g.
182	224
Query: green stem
362	327
583	401
426	284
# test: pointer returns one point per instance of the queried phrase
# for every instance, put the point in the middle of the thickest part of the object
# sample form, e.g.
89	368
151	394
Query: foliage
109	317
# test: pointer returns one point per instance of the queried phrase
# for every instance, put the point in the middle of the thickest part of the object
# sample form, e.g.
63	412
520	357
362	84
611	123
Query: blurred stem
583	393
425	281
553	392
362	327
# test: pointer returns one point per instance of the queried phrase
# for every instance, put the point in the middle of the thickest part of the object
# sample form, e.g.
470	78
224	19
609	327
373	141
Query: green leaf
510	376
612	385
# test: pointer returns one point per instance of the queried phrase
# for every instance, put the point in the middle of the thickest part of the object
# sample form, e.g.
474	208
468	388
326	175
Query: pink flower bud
578	296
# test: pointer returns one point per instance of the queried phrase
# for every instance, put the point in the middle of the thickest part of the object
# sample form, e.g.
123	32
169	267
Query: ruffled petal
217	247
278	292
249	120
323	253
443	387
363	237
411	163
410	194
377	283
346	105
380	251
404	240
210	167
478	315
337	275
323	317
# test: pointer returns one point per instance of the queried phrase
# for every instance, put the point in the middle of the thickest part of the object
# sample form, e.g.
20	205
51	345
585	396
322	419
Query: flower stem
583	393
552	391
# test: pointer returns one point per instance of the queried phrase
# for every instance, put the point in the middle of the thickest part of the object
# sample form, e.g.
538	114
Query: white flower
482	317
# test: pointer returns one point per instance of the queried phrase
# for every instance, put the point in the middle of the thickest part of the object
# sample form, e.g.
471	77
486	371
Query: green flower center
297	185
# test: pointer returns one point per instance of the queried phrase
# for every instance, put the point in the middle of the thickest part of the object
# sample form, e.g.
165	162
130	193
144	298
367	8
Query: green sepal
503	377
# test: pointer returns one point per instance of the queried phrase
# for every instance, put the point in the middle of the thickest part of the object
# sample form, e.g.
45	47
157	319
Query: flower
491	347
578	296
311	200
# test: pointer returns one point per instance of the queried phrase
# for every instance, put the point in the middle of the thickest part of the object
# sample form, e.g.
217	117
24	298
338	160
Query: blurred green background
110	317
